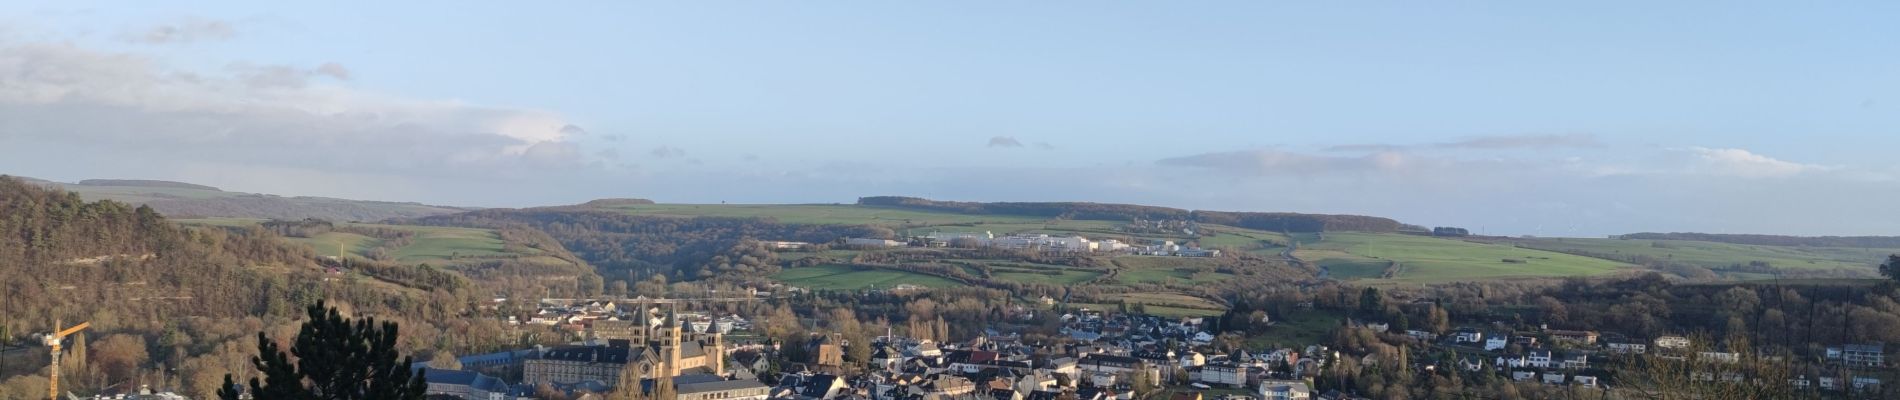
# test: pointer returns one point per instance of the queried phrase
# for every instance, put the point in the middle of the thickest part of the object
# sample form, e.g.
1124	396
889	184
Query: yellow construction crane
52	383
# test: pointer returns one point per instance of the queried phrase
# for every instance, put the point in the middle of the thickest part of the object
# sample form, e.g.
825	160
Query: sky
1507	118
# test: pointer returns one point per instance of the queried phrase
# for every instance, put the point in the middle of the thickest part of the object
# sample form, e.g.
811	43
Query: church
655	346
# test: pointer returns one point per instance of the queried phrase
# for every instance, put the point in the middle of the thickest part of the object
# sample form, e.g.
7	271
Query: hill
187	200
1711	258
145	183
1413	258
199	291
1774	240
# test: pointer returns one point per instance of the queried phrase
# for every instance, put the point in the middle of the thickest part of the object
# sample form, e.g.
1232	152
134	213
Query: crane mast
53	340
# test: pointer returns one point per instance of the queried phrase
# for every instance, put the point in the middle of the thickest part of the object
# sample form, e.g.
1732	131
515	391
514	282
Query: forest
179	306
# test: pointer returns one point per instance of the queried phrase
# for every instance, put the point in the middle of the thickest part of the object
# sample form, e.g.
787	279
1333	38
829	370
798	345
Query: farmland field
840	277
1716	255
432	244
1428	259
1161	269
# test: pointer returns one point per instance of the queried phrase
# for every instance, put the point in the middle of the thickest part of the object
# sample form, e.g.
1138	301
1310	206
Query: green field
1717	255
1429	259
1162	304
432	244
1068	277
1160	269
841	277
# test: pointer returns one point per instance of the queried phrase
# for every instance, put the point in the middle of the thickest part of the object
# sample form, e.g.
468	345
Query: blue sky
1511	117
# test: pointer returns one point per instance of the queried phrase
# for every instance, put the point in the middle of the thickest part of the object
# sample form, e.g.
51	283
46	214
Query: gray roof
602	354
716	386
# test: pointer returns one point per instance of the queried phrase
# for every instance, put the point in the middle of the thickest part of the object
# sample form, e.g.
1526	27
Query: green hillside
1351	255
430	244
840	277
1716	255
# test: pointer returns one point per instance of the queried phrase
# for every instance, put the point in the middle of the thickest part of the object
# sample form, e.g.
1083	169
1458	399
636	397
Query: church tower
670	337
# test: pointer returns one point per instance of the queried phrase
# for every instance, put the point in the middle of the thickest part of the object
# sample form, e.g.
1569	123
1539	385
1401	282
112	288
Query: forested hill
191	297
1278	222
183	200
1775	240
65	257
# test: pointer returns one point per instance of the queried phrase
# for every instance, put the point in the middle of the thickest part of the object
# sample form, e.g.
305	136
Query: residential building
1672	342
868	242
1496	343
1574	361
1538	359
1467	336
1285	390
1551	378
1573	337
696	387
465	385
1224	373
783	245
1859	355
1626	347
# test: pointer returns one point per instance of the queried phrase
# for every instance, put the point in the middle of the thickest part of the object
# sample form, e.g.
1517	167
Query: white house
1626	347
1538	359
1585	380
1554	379
1224	373
1523	375
868	242
1672	342
1284	390
1496	343
1467	337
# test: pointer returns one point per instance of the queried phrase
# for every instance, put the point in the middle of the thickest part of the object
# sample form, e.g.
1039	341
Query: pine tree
335	360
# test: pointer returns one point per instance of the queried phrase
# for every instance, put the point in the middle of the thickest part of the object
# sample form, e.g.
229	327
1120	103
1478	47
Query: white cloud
1746	164
668	152
186	30
261	115
1266	162
1004	141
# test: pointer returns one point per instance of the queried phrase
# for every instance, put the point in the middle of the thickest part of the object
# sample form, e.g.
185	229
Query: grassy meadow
1425	259
1716	255
841	277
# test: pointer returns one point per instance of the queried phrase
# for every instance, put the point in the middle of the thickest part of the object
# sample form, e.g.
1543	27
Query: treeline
1279	222
1773	240
622	245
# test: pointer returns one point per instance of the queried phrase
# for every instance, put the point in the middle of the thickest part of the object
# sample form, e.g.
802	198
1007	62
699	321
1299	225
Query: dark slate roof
817	385
603	354
715	385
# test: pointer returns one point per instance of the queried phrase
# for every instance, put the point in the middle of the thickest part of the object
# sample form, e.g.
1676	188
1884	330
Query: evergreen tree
335	360
1892	268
